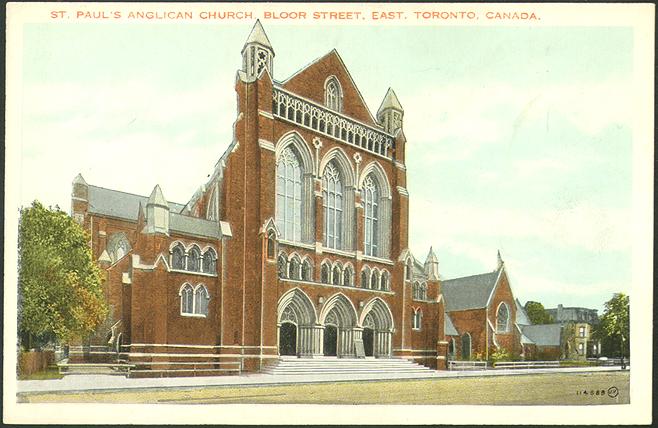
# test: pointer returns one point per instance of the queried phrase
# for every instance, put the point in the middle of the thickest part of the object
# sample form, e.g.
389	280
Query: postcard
333	213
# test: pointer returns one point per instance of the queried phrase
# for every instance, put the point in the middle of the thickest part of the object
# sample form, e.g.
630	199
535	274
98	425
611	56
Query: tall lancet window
333	94
371	213
289	196
332	192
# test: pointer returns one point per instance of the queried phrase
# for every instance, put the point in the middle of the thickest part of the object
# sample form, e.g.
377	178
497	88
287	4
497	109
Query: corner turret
432	266
390	113
257	53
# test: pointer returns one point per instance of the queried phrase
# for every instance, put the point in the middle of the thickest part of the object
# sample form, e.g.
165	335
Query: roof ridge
472	276
129	193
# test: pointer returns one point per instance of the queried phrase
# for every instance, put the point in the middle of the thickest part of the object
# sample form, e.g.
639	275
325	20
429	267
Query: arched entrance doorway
368	341
296	322
288	339
466	346
330	342
377	322
338	317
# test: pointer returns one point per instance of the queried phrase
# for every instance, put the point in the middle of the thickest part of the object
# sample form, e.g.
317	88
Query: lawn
553	389
49	373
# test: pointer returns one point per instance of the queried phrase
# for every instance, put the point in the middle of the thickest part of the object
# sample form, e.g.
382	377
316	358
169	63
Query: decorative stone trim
267	145
310	115
403	191
266	114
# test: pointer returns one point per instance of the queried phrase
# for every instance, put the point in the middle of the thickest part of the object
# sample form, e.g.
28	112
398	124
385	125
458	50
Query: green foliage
500	354
59	285
538	314
613	329
569	340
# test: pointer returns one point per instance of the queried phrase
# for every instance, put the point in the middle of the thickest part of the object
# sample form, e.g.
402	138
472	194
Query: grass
549	389
50	373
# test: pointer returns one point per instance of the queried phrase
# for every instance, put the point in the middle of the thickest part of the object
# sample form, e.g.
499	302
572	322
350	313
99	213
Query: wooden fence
34	361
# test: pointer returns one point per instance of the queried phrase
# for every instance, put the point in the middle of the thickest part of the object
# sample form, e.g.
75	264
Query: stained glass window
289	196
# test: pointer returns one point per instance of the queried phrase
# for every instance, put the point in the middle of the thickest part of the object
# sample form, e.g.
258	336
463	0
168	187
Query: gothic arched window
187	299
502	318
324	274
282	266
332	193
208	263
307	270
295	268
333	94
271	241
365	278
374	280
336	276
347	276
289	195
371	214
385	281
178	257
201	297
118	246
194	260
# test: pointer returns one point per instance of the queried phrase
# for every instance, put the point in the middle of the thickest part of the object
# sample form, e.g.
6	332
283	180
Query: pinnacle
258	36
390	101
157	198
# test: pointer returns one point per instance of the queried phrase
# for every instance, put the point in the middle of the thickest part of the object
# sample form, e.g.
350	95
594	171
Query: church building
297	245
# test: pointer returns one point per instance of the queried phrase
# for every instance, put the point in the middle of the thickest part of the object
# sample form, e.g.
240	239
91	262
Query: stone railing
311	115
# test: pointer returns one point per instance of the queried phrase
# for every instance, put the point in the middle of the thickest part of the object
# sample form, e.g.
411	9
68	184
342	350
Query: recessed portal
330	340
288	339
368	341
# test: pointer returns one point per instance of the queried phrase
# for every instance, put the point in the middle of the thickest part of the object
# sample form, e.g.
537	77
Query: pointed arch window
289	195
325	273
307	270
201	298
365	278
336	275
187	299
271	243
417	319
502	318
347	276
295	268
332	193
371	214
208	263
333	94
374	280
178	257
194	260
282	266
385	285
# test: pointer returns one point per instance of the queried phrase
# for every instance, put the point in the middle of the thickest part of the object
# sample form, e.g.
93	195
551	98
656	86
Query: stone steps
334	366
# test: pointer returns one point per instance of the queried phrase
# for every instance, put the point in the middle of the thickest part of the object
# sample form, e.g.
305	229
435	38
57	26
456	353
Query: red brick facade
253	307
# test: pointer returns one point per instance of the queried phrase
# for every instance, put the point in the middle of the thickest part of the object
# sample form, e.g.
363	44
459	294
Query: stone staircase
287	366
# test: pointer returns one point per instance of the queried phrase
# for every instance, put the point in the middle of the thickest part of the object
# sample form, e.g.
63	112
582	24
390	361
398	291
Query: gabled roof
521	315
126	206
114	203
469	292
448	326
307	84
543	334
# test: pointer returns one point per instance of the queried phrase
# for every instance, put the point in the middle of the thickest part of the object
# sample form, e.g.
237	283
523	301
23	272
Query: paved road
79	383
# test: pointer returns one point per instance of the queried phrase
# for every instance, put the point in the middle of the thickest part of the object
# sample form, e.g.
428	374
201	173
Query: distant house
584	320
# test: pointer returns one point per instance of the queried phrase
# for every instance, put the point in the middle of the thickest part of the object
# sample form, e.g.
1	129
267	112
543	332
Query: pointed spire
431	257
79	179
500	260
390	101
157	198
258	36
431	266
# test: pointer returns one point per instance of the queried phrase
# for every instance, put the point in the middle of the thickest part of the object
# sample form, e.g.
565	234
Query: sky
519	138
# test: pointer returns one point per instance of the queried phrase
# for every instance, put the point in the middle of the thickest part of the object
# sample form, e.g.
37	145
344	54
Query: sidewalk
85	383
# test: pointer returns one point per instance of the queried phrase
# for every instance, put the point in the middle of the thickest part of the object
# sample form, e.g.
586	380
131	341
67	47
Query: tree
537	313
59	285
613	329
